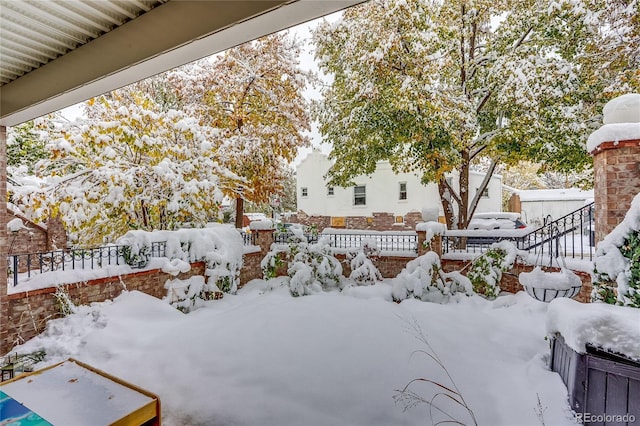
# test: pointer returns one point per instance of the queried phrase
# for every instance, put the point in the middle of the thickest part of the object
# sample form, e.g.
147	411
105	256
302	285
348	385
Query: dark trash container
603	387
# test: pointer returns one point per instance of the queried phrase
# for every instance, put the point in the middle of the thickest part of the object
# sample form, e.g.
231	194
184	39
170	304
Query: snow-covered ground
263	357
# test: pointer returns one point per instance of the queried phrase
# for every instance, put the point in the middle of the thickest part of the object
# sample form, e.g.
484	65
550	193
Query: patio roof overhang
54	54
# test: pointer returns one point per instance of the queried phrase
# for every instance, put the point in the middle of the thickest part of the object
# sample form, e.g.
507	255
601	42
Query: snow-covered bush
311	267
486	270
187	295
135	256
219	246
424	279
617	262
363	271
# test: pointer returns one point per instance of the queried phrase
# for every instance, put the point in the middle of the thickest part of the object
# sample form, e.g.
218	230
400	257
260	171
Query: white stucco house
382	192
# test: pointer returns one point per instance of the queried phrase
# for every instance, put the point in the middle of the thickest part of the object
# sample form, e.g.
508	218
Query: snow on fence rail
77	259
571	236
386	241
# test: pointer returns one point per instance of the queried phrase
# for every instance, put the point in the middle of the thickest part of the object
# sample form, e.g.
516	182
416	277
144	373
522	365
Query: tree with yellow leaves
129	165
253	93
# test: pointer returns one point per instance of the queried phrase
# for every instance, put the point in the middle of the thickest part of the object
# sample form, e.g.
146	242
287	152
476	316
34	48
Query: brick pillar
436	243
5	344
615	148
616	167
264	239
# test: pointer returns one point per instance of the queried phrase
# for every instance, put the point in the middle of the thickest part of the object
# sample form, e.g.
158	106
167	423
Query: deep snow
263	357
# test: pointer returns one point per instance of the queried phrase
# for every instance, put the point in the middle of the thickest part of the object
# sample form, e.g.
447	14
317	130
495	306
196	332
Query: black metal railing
29	264
249	239
76	259
571	236
385	242
290	237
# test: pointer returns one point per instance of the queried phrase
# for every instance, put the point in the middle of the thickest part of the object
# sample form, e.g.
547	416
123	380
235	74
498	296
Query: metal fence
571	236
249	239
290	237
76	259
385	242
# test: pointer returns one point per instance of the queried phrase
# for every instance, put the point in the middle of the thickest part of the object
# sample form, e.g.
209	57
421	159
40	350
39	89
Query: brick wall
251	267
28	312
510	283
375	222
389	266
36	238
616	169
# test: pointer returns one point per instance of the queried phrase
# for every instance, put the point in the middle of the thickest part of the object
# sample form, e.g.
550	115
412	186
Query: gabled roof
56	53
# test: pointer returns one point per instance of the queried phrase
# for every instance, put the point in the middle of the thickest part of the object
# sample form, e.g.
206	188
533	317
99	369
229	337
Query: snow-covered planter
595	347
424	279
546	286
617	262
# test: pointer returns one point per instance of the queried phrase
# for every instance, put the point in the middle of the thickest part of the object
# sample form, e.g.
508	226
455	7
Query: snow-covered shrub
363	271
486	270
424	279
617	262
321	271
65	304
135	256
219	246
311	267
187	295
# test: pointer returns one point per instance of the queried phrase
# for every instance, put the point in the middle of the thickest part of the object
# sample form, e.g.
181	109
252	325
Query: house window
329	190
304	191
485	193
359	195
403	191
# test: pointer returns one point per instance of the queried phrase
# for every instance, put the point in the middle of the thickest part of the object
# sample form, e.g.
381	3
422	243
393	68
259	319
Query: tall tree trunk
463	208
239	211
445	199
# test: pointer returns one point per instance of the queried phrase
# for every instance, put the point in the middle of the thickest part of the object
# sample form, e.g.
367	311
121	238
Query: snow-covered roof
564	194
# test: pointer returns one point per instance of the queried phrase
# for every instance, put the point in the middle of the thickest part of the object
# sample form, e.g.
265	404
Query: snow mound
621	121
261	224
538	278
16	224
623	109
615	133
610	327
